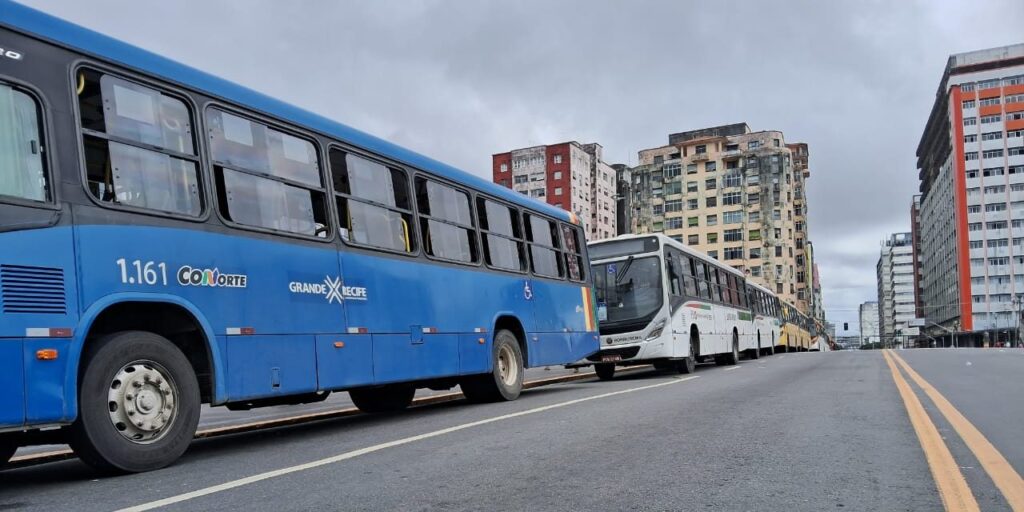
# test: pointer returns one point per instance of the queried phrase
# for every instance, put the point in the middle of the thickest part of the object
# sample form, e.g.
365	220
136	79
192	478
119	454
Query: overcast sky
461	80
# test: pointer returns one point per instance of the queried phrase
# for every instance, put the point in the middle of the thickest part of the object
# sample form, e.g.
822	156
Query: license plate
613	357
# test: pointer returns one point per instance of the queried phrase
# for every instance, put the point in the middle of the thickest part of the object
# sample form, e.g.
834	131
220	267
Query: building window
712	220
674	205
712	238
985	102
733	235
732	198
692	221
735	217
691	169
711	202
691	204
988	84
754	235
657	209
710	166
674	223
557	159
558	191
754	216
713	255
733	253
557	175
991	119
692	240
732	180
992	153
971	155
755	253
701	149
993	171
754	144
970	138
968	87
691	186
970	121
710	184
673	187
968	104
504	167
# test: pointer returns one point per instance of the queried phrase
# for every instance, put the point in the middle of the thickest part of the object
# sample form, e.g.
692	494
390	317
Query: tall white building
971	167
569	175
868	322
896	306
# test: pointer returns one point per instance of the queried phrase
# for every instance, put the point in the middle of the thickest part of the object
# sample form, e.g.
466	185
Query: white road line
732	368
375	448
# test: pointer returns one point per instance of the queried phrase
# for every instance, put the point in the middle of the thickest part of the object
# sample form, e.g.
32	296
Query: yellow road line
998	468
953	489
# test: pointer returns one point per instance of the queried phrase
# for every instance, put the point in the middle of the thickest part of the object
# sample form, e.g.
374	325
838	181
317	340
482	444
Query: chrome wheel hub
142	401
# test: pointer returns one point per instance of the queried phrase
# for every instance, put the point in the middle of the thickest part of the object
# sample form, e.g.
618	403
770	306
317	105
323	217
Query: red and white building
971	213
569	175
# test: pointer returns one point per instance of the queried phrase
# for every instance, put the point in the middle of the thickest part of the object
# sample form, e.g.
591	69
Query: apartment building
971	214
868	313
896	299
569	175
735	194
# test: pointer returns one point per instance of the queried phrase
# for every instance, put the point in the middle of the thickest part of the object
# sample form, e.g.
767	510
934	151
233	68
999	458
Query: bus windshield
628	293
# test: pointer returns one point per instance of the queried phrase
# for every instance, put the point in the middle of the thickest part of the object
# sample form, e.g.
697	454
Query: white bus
767	319
662	303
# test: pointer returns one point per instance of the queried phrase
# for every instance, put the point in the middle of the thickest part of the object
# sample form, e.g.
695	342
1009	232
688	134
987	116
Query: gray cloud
462	80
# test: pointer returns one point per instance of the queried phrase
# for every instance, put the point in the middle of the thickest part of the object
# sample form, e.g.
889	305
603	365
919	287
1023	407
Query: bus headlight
656	332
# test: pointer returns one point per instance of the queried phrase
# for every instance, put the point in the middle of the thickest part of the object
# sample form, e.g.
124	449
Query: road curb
54	456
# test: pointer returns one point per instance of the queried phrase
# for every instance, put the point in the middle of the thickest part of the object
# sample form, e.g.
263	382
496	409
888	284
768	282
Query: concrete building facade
868	313
736	195
569	175
896	300
971	215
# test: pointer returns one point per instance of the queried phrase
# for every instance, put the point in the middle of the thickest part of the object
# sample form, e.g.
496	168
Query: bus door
38	295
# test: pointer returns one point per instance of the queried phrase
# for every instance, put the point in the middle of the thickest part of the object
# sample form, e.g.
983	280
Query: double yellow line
955	493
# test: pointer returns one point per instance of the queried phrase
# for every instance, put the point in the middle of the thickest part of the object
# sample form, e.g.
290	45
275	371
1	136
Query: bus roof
762	288
104	47
665	240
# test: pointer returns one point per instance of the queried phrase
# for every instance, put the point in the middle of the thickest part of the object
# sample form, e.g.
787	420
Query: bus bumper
627	354
32	382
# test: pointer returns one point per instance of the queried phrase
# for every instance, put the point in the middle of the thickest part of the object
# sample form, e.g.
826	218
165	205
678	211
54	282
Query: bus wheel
686	365
138	403
756	353
733	356
7	448
383	399
605	371
505	381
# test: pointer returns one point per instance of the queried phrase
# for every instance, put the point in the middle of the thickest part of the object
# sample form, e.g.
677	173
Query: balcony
699	157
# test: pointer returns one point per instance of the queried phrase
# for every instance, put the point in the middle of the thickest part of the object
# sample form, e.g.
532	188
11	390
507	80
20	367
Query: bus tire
756	353
605	371
505	381
733	356
138	403
7	448
384	399
689	364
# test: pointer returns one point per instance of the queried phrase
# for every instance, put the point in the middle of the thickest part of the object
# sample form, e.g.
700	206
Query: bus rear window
22	172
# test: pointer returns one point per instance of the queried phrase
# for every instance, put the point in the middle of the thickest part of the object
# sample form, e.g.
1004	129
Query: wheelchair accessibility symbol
527	291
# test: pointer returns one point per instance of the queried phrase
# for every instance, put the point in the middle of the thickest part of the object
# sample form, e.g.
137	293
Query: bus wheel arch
171	321
513	325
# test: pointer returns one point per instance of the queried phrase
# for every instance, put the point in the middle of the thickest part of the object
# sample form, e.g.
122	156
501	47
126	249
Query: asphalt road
809	431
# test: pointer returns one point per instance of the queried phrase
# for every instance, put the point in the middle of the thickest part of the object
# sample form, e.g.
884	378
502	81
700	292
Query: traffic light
846	326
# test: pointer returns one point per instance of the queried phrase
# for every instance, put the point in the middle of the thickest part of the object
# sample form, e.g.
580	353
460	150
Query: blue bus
168	239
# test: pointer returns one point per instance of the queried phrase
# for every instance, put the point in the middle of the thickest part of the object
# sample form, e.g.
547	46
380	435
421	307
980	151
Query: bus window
689	276
139	147
543	240
446	222
374	208
716	285
22	172
266	178
502	235
674	274
573	253
702	280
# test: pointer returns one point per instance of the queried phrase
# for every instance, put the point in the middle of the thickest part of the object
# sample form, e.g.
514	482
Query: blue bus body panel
55	29
12	382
